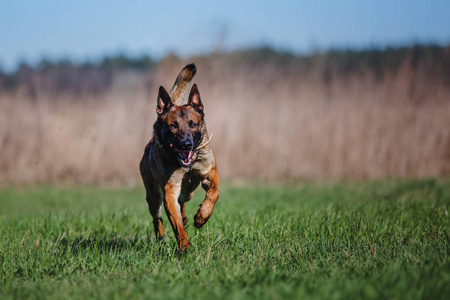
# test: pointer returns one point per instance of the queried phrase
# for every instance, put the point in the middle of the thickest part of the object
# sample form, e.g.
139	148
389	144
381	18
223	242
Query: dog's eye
192	124
174	125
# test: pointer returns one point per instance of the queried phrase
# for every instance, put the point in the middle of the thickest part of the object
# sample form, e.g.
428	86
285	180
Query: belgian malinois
178	158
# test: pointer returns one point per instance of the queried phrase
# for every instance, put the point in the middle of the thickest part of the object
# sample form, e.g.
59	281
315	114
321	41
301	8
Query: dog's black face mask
180	127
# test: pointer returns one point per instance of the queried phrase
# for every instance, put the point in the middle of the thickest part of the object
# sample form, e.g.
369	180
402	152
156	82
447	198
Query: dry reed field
273	116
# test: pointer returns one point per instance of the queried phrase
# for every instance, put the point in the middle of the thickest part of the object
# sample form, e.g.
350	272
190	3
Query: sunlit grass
369	241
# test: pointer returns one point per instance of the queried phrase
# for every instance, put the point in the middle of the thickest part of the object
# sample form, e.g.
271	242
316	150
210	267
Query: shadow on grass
113	244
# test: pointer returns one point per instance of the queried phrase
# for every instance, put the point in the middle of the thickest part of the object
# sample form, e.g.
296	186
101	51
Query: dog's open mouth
185	158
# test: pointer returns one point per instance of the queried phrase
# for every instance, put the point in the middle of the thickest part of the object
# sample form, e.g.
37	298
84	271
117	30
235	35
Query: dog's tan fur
180	89
167	181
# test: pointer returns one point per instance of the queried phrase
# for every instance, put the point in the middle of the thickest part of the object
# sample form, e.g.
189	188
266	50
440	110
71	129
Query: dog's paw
203	214
199	221
184	245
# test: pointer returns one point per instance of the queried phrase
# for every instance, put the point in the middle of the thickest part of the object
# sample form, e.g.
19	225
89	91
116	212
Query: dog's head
180	128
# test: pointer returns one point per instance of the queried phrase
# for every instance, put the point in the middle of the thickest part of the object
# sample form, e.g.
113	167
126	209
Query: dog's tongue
185	156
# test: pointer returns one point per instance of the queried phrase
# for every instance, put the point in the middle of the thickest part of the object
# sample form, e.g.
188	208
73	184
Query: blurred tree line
61	76
65	76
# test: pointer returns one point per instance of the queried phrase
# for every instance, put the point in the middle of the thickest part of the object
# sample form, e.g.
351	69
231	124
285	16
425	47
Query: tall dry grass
270	120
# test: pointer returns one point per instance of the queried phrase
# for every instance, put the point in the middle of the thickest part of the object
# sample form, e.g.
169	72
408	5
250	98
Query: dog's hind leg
153	193
154	201
182	201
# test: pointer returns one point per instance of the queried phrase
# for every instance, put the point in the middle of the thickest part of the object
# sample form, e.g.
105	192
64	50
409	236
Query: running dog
178	158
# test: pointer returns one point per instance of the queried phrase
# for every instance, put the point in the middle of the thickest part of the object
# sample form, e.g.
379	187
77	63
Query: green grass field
374	240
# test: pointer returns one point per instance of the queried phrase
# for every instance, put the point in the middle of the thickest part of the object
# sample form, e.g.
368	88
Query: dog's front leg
211	185
172	207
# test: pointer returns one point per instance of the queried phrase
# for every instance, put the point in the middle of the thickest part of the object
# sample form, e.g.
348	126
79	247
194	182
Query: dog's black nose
186	145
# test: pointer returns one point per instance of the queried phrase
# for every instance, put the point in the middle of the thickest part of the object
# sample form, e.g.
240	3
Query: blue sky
79	30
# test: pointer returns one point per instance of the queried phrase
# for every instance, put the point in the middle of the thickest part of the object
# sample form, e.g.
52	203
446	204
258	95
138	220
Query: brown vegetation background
340	115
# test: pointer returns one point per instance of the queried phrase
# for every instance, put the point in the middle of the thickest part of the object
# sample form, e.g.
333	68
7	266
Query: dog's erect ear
164	102
194	99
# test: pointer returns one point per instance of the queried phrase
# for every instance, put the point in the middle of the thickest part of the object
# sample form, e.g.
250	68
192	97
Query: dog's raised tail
181	88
